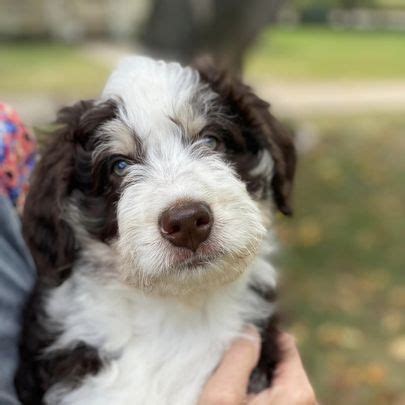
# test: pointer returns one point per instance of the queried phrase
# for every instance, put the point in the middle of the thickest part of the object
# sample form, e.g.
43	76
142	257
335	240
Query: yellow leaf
341	336
397	348
375	374
392	321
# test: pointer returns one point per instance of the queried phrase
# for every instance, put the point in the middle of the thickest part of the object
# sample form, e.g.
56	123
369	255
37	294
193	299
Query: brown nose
186	224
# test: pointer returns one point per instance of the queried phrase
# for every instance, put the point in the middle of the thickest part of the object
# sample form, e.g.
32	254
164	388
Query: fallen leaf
397	348
392	321
341	336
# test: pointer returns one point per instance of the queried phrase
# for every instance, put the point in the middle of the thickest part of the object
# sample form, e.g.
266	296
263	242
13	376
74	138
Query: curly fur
119	315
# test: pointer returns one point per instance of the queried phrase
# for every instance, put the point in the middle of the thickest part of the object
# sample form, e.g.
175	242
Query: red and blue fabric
17	156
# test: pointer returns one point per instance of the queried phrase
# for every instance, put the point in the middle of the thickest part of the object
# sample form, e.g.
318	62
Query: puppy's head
168	169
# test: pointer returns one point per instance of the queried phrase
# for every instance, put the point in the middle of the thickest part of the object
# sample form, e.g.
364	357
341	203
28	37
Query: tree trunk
225	29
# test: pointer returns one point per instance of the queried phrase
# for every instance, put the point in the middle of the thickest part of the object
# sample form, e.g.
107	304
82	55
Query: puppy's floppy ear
47	233
257	122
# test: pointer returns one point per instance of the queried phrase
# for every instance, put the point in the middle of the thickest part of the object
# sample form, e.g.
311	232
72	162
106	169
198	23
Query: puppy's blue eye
120	167
211	142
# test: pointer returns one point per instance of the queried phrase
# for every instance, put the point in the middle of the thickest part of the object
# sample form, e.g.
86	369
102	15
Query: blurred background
334	71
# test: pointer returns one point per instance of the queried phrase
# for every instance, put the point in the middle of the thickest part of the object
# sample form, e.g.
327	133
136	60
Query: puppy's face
169	170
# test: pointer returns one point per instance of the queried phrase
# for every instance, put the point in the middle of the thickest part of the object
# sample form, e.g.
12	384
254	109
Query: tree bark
225	29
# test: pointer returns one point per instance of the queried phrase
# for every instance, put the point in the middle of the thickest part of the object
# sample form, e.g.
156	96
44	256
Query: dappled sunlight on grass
344	260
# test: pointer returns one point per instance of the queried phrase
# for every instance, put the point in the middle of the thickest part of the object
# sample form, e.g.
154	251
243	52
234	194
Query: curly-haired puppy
148	219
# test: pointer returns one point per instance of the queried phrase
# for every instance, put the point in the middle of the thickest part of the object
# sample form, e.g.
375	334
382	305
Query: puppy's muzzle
186	224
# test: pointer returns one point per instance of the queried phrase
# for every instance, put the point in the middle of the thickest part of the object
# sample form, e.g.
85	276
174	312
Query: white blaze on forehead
154	93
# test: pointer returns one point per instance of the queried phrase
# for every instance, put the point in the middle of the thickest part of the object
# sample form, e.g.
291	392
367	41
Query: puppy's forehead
159	99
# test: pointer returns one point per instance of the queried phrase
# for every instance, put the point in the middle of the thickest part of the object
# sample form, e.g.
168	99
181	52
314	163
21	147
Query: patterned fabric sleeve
17	156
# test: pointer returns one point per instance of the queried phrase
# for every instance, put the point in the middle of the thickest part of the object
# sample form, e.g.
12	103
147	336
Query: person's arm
228	385
17	275
17	271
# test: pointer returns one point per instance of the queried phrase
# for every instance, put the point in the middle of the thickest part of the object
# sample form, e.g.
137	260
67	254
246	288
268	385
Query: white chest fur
157	350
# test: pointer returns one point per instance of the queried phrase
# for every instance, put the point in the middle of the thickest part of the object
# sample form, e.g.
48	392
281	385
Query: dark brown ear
254	114
48	235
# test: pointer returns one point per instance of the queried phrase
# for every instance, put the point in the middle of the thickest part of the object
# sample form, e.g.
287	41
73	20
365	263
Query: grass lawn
312	53
49	68
344	260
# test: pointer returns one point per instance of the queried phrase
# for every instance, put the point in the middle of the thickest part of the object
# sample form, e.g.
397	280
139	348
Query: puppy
149	219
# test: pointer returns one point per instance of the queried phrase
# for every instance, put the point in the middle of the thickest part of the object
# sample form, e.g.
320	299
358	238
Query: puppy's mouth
187	260
198	261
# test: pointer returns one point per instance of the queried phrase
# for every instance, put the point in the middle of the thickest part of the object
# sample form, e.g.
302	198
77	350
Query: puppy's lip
188	259
198	261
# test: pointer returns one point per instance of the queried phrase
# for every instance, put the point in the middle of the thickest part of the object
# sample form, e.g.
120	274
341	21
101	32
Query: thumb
231	378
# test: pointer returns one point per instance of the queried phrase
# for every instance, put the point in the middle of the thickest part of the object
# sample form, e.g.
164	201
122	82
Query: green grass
390	4
48	68
344	260
308	53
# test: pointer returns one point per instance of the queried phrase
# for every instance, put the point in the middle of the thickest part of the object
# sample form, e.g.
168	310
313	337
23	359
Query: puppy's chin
190	277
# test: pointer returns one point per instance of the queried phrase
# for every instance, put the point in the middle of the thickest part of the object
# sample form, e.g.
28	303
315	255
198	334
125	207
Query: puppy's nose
186	224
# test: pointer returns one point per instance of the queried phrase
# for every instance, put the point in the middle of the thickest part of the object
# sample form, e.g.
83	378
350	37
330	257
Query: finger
231	378
240	359
266	397
281	395
275	396
291	361
290	384
288	346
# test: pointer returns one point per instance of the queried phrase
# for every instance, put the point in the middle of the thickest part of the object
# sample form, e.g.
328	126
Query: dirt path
292	99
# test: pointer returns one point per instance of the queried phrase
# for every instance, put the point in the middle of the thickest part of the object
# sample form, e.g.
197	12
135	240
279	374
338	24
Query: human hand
228	385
